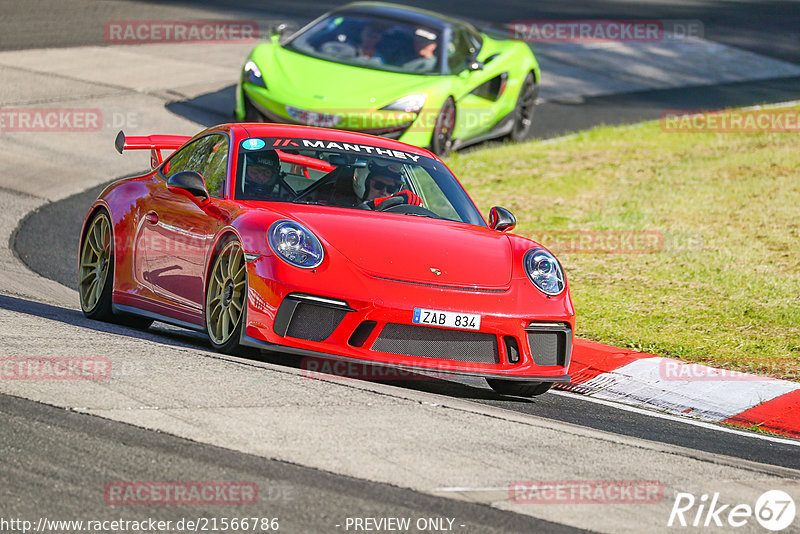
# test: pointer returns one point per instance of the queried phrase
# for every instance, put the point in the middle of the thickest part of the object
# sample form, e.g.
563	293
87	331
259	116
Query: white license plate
313	118
464	321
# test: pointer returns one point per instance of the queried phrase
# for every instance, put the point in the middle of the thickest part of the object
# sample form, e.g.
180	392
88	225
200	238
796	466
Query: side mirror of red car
501	219
191	182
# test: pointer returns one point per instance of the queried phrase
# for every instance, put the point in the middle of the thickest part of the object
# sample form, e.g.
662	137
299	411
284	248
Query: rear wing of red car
155	143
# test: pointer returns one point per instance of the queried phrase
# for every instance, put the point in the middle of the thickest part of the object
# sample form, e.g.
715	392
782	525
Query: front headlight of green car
407	104
252	74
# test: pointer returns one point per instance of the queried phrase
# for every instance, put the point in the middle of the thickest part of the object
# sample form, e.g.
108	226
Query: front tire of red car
226	297
518	388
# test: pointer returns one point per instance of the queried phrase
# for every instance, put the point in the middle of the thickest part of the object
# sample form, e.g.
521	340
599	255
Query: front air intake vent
309	317
550	344
440	343
512	349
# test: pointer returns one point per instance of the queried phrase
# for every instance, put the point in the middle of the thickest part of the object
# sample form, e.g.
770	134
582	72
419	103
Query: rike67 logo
774	510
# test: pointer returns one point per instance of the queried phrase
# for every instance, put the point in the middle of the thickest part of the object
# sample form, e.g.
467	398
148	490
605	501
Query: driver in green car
424	59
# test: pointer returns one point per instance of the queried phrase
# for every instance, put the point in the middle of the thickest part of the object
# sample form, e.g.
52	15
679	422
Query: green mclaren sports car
394	71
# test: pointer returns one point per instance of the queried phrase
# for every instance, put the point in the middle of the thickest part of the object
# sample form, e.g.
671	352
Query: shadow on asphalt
177	337
208	109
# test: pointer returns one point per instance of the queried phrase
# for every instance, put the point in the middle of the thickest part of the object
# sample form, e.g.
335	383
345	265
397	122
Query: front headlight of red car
295	244
544	271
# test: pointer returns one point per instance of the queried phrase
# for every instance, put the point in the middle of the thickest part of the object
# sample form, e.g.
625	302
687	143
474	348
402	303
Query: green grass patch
716	279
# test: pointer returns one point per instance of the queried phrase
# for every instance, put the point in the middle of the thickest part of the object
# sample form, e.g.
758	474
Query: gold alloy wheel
95	262
226	293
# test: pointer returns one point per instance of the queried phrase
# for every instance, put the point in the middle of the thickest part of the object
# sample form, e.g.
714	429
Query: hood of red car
415	249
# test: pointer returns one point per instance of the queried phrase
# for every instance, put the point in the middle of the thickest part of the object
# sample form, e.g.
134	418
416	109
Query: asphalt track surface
64	450
69	458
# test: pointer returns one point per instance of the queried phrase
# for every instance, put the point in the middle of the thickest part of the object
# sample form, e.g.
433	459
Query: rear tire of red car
96	268
442	138
96	274
523	111
226	297
518	388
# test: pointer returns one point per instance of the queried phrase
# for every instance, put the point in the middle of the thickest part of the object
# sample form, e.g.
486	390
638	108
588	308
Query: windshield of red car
372	42
346	175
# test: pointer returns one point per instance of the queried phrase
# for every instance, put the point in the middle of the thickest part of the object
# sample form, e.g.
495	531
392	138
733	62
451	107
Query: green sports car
393	71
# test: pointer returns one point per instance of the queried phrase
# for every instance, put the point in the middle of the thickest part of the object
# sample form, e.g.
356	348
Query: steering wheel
337	49
383	206
420	64
390	203
410	209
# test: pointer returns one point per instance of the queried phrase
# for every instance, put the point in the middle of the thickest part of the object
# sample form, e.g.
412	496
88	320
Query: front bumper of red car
523	335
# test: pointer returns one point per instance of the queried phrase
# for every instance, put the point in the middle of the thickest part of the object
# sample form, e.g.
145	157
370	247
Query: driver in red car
382	184
260	174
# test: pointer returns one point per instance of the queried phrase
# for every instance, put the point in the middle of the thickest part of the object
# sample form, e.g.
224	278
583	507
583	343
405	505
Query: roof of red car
289	131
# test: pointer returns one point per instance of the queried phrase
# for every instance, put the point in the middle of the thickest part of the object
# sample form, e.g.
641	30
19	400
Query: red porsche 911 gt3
326	243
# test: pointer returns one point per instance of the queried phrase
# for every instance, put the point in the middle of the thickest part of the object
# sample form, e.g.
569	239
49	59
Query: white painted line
669	417
777	105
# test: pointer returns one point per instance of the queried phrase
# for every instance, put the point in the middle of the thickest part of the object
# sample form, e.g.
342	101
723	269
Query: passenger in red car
262	169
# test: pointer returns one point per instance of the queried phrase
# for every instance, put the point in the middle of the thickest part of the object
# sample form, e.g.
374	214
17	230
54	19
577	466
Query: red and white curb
684	389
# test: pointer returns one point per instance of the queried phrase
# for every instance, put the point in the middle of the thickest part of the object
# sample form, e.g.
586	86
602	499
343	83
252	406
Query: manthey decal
321	144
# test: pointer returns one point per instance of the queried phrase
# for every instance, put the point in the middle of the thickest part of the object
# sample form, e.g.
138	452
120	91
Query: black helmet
266	158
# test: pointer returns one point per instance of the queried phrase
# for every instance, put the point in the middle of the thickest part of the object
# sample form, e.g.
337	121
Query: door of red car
178	232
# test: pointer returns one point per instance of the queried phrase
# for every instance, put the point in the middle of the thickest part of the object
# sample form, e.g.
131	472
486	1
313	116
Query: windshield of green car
346	175
372	42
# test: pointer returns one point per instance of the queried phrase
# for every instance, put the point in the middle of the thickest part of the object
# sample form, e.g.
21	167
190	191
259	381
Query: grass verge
685	245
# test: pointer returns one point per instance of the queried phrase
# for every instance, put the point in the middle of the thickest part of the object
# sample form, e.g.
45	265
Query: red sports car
327	244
